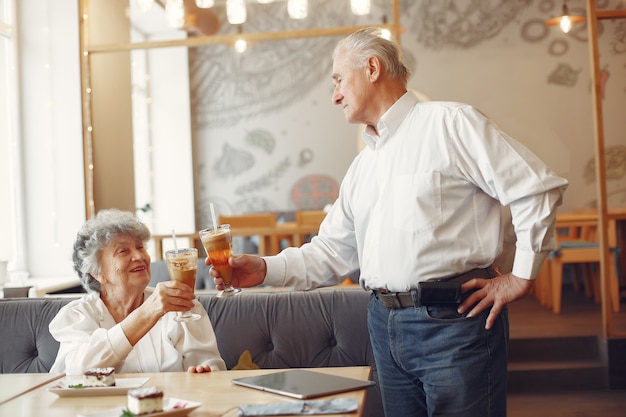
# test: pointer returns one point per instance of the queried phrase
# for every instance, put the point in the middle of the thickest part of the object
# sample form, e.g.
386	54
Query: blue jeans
434	362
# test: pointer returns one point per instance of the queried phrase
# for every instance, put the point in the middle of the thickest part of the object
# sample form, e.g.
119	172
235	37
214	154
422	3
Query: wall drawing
615	164
265	180
463	24
619	42
565	75
314	192
257	167
261	139
227	87
232	162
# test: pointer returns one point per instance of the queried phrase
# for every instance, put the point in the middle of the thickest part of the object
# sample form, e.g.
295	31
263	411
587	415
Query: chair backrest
256	232
310	217
249	220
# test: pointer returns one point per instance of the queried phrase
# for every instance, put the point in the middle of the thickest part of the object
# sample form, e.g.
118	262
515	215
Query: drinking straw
174	237
213	216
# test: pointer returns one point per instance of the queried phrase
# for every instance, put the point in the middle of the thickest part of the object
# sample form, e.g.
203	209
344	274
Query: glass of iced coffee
218	245
182	265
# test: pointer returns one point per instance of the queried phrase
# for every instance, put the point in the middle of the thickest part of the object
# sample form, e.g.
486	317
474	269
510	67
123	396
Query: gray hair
95	235
368	42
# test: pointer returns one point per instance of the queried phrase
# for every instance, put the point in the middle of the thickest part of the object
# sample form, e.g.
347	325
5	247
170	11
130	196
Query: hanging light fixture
236	11
240	44
360	7
145	5
566	20
298	9
175	13
205	4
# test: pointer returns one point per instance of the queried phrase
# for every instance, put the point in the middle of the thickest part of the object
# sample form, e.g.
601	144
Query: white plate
172	407
63	387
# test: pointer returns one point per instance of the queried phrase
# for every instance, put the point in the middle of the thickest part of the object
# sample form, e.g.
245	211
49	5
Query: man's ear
373	68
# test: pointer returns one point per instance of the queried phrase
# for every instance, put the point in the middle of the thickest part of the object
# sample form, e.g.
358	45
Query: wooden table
14	385
219	397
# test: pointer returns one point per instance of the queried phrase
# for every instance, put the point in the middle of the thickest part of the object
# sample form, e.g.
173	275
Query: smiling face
352	89
124	265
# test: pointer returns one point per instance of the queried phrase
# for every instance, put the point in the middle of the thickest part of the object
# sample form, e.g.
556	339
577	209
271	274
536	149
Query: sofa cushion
26	343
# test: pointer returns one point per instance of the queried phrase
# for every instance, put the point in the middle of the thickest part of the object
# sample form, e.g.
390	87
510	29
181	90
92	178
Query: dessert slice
145	400
99	377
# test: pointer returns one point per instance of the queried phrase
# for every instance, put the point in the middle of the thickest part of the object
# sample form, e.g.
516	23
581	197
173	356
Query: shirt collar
390	120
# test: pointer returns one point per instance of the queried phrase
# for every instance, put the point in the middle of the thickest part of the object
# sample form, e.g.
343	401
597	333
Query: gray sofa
281	329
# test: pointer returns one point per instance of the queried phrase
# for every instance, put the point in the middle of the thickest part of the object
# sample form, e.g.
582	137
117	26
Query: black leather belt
439	291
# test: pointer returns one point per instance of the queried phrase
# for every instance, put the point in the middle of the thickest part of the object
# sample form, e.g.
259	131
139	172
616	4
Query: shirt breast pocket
416	202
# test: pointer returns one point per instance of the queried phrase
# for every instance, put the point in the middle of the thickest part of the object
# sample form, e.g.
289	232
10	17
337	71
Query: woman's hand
248	271
170	296
199	369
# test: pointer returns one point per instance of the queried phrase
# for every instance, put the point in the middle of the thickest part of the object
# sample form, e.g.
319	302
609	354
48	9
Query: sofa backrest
288	329
281	329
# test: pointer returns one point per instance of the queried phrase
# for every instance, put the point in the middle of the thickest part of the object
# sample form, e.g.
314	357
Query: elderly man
419	214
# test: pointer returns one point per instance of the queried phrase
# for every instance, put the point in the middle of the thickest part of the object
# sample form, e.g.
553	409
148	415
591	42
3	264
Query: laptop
302	383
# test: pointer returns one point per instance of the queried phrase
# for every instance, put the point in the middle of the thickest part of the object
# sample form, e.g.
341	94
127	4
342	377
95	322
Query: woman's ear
98	277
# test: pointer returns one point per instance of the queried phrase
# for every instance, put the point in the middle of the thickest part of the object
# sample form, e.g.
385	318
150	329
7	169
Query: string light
145	5
360	7
205	4
298	9
236	11
175	13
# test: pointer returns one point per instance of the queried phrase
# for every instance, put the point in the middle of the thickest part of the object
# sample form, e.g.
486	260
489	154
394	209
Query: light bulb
175	13
205	4
360	7
298	9
241	45
236	11
566	24
145	5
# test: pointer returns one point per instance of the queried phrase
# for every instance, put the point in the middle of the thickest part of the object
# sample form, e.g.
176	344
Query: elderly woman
120	322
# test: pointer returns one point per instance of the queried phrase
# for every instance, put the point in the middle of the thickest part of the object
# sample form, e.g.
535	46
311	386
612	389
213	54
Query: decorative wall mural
463	24
227	87
261	139
619	42
233	162
615	163
314	192
265	180
558	47
564	75
306	156
534	30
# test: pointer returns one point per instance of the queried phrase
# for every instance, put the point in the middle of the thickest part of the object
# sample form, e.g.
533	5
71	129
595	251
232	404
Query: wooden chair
580	246
262	225
308	224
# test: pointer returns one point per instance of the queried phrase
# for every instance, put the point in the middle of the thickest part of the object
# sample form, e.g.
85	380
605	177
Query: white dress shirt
90	337
423	200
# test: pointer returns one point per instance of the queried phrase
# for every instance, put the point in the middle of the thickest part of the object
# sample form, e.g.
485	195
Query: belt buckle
389	299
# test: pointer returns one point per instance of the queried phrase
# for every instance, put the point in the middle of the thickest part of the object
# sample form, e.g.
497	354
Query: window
10	179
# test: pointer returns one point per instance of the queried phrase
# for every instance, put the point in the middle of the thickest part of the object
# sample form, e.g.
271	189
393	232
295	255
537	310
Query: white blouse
89	337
